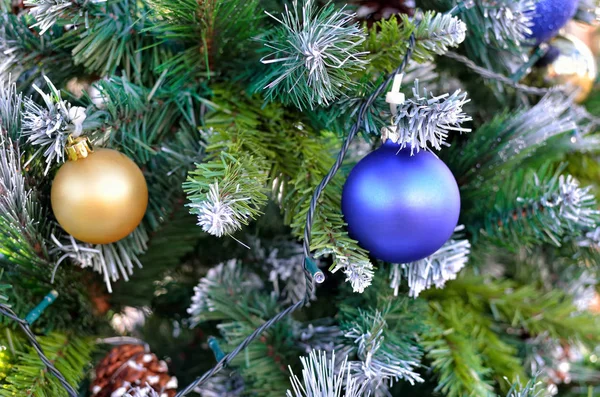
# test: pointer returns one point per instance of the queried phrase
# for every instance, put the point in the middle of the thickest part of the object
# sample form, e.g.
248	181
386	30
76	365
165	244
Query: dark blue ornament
401	208
550	17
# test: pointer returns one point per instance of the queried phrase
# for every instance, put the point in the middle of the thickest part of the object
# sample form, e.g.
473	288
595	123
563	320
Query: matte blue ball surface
551	16
401	208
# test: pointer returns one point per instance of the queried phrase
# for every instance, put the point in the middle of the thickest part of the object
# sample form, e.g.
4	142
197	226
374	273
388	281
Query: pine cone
127	366
375	10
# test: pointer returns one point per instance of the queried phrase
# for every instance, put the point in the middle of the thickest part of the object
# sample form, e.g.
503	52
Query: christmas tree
299	198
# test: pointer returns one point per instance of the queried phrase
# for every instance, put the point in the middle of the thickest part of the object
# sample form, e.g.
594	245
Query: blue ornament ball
550	17
401	208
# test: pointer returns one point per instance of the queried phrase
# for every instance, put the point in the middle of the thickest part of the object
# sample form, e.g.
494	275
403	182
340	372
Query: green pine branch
465	345
455	359
387	40
536	312
133	118
466	342
111	41
212	35
310	55
227	192
11	106
3	289
510	139
533	388
176	237
264	363
384	341
23	220
497	36
28	376
237	299
28	58
297	160
535	207
49	12
592	103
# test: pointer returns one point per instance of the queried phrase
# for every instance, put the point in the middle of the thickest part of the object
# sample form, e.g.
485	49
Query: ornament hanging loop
394	98
78	148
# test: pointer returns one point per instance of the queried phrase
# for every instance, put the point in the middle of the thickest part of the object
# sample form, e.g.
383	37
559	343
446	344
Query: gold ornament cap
78	148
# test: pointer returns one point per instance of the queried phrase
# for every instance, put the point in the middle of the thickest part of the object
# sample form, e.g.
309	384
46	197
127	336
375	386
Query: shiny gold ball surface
574	65
99	199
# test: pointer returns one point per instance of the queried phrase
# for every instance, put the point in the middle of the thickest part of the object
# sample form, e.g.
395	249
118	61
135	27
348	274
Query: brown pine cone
128	366
375	10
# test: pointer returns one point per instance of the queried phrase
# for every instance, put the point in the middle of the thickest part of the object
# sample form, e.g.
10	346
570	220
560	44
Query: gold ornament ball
99	199
575	65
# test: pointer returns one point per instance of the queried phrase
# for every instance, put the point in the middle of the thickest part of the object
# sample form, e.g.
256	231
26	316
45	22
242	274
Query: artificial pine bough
247	120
